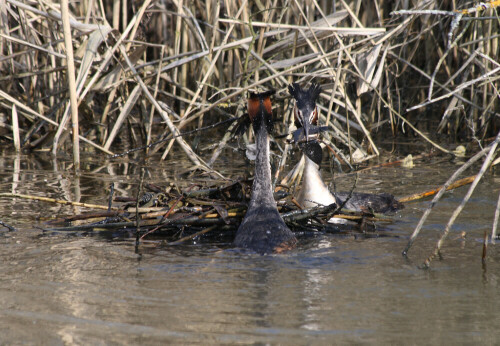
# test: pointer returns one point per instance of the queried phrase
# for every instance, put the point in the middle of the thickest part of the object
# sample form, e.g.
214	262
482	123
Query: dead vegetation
170	66
149	72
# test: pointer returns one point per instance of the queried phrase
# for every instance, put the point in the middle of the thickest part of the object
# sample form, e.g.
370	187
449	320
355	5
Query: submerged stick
485	248
111	193
87	216
11	228
192	236
137	201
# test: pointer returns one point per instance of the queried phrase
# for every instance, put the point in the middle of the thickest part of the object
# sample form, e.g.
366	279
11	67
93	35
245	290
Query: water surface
58	288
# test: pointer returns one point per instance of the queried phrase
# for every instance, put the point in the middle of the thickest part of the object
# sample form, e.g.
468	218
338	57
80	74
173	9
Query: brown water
91	289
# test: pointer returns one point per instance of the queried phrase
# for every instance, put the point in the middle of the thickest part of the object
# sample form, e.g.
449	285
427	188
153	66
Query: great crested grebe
263	229
314	191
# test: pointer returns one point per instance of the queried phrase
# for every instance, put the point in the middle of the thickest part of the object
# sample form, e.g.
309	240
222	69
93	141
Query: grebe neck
314	191
261	187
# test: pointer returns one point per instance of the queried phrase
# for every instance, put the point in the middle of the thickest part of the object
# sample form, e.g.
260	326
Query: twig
302	214
340	30
458	210
86	216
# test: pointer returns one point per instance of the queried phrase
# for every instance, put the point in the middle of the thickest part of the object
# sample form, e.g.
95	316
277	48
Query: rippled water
91	289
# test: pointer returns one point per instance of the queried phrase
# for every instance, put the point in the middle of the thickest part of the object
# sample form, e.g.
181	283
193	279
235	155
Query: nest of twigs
214	213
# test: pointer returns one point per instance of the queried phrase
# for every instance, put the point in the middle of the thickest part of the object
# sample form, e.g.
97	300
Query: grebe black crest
263	229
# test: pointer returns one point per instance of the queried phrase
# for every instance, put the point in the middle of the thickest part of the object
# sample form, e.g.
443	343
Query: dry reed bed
156	69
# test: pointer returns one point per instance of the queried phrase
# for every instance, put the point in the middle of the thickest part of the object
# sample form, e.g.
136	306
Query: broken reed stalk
432	192
458	210
15	129
441	192
137	200
495	221
73	103
58	201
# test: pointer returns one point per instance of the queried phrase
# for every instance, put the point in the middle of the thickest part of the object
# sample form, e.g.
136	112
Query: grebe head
305	111
260	110
313	151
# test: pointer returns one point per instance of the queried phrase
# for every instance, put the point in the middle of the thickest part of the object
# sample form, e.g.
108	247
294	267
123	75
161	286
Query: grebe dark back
263	229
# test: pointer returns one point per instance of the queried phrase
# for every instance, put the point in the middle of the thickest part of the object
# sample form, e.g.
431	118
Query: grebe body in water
314	191
263	229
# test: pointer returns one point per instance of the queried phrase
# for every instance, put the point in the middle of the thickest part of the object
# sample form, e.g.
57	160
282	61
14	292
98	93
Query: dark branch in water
11	228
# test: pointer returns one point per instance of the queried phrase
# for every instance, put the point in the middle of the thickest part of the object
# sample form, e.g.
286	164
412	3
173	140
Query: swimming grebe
314	191
262	229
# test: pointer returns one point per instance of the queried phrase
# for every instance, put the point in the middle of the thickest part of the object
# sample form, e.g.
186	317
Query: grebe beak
306	126
304	122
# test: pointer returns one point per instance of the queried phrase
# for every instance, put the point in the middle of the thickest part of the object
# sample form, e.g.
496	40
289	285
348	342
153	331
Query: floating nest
209	213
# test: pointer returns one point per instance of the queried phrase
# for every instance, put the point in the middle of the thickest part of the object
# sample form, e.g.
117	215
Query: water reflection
16	172
82	289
